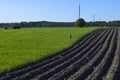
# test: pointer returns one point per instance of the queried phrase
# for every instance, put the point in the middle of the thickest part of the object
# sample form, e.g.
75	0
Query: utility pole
79	11
93	18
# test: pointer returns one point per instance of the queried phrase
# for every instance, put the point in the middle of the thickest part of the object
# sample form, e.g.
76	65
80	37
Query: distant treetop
80	22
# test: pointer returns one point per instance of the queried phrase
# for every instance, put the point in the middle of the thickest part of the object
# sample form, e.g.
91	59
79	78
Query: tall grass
18	47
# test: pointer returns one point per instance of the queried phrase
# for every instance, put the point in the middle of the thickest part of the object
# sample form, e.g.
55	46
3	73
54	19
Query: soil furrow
101	70
115	62
83	72
116	75
107	63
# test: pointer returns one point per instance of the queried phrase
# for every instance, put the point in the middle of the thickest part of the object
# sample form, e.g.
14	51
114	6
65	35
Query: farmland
94	57
18	47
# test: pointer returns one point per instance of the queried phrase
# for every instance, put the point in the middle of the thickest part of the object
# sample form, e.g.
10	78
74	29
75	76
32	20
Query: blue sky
58	10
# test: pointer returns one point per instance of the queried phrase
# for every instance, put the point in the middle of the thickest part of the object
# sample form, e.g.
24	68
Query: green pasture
19	47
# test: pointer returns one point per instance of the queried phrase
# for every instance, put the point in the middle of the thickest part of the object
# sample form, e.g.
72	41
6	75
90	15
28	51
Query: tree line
59	24
104	23
36	24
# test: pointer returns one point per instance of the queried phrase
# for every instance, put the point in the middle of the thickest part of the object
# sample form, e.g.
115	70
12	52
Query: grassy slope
18	47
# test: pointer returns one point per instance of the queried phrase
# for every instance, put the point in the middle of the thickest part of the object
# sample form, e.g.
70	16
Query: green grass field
18	47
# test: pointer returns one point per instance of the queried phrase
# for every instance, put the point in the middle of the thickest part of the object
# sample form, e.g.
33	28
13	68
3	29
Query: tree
80	22
16	27
6	28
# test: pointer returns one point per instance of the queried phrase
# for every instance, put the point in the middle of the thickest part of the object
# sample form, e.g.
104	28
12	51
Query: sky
58	10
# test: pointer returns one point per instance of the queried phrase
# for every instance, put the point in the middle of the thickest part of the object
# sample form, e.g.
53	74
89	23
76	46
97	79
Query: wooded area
59	24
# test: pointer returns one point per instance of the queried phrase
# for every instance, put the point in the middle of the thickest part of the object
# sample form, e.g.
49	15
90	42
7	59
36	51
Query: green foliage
6	28
60	24
18	47
16	27
80	23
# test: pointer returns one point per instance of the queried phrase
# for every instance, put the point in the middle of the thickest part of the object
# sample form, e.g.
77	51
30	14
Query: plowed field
95	57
